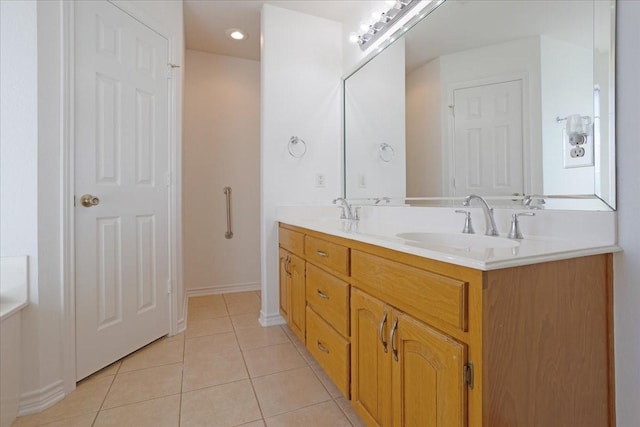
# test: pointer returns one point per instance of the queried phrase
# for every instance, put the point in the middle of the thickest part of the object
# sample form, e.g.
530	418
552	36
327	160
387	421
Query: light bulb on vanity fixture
398	10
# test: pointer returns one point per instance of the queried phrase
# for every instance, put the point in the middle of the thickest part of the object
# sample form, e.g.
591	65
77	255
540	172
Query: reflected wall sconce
577	152
578	128
297	147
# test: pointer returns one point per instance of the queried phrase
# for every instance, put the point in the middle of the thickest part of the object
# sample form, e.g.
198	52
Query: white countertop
530	250
13	285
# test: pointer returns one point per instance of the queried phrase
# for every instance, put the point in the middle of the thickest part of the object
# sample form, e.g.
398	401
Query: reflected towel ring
297	147
386	152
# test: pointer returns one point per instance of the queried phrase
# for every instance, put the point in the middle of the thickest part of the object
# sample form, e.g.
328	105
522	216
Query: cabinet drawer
291	240
432	298
330	350
331	255
329	297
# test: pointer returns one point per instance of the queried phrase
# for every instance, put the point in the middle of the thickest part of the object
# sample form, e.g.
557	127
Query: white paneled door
488	139
121	167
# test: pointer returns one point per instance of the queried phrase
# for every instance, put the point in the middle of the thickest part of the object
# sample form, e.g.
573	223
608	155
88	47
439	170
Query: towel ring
297	147
386	152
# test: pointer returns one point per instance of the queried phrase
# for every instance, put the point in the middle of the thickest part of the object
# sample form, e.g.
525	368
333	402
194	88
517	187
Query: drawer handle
322	294
322	254
380	335
394	328
321	347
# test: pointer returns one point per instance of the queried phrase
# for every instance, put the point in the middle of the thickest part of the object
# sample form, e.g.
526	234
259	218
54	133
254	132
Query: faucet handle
514	232
356	213
468	228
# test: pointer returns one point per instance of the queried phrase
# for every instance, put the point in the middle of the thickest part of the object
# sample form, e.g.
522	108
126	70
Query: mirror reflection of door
487	153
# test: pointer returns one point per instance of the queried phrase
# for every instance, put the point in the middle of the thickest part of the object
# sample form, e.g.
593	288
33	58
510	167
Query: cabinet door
427	376
297	300
284	283
370	362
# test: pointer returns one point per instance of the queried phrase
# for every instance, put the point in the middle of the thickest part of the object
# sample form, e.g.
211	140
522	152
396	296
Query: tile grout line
184	347
255	394
104	399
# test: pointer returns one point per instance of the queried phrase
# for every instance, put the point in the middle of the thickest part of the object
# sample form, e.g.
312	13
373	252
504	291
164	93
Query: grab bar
229	233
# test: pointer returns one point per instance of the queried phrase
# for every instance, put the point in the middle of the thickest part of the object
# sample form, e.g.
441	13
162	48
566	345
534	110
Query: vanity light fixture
383	21
236	34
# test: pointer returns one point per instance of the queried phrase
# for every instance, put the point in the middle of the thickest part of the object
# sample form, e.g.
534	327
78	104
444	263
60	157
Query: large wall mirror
497	98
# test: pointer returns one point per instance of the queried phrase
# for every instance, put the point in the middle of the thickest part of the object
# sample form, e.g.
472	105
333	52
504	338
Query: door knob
89	201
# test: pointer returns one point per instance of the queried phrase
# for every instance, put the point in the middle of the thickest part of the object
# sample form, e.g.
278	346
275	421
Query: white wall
567	88
300	83
627	264
18	176
18	136
221	148
424	133
375	115
48	371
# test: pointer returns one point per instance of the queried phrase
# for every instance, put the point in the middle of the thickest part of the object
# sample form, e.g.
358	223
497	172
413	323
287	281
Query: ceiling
206	21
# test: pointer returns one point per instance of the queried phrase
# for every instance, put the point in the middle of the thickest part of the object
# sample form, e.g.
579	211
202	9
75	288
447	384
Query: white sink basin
460	241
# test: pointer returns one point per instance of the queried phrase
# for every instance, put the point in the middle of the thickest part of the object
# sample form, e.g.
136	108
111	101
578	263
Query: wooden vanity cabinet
418	342
292	281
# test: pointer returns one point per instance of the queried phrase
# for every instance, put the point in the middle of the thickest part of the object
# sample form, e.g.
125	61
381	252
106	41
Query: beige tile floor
225	370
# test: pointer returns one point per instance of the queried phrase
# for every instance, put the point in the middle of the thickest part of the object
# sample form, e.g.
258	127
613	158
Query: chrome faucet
348	211
490	222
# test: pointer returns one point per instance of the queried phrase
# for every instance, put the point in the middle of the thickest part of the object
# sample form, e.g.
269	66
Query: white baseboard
271	319
181	326
39	400
223	289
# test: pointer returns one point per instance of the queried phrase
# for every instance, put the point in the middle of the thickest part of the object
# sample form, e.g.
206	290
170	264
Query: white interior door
121	157
488	140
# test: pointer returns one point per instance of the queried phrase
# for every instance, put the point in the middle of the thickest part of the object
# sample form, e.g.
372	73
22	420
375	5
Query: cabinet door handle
287	266
321	347
380	334
394	349
322	254
322	294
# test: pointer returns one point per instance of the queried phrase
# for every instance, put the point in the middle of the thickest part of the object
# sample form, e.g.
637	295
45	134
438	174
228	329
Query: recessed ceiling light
236	34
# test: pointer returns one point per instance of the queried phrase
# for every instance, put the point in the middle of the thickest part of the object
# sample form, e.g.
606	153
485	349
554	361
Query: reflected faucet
347	210
490	222
528	202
